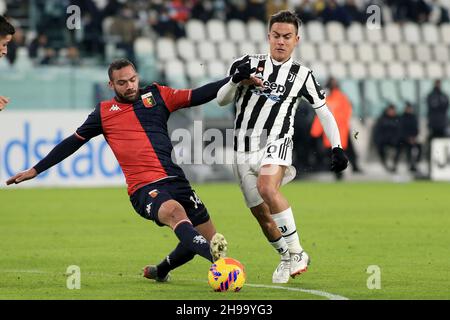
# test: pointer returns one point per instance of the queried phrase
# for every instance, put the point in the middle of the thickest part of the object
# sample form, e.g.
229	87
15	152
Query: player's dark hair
6	27
285	16
119	64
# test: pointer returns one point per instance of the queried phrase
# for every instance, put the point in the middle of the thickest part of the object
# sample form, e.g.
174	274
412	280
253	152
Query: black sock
192	240
179	256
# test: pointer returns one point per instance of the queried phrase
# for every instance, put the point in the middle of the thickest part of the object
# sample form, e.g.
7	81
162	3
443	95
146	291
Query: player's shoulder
303	71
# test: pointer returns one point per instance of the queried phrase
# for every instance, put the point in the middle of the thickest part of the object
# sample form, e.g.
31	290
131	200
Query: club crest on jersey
291	77
148	100
153	193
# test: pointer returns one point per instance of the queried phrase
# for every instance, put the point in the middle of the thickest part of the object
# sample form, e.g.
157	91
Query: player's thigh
171	213
247	179
195	208
148	200
276	164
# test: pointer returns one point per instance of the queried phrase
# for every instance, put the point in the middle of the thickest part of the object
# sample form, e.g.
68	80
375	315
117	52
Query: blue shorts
148	199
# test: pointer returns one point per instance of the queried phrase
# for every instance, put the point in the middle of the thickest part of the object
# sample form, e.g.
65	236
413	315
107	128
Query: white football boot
282	272
299	263
218	246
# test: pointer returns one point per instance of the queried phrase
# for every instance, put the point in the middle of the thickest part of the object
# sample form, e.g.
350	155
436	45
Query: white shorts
247	167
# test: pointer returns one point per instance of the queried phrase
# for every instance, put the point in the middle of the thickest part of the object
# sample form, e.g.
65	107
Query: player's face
282	40
4	44
125	84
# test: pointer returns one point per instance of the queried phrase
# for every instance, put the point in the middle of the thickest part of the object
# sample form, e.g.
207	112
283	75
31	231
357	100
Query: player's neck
277	63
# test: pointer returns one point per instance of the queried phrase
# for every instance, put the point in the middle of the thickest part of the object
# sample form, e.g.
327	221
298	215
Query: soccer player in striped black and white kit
263	135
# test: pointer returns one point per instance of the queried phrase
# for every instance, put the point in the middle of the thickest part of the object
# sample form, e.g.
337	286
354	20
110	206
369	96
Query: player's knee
267	191
171	212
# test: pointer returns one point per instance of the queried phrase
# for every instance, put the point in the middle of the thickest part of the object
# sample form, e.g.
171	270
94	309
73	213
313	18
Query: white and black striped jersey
267	114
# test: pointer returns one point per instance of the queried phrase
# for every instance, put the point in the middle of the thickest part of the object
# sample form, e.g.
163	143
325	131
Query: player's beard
127	97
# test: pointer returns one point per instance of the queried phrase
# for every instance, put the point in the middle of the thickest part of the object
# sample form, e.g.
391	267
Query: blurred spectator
275	6
386	135
341	108
437	102
203	10
305	11
123	28
256	9
90	38
307	156
409	130
410	10
237	10
439	13
353	12
40	52
168	18
18	40
335	12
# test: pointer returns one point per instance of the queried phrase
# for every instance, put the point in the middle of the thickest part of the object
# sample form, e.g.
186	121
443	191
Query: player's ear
110	85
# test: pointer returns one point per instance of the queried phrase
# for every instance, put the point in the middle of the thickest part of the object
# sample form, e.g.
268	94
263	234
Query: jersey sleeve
175	99
313	92
92	127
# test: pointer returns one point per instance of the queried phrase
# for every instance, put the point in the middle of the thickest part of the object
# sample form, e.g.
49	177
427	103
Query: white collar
277	63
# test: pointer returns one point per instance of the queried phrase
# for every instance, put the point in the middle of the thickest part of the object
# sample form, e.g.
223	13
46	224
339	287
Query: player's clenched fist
3	102
22	176
339	160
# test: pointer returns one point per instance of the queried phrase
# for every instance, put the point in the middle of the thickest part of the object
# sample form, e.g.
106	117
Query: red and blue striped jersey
137	133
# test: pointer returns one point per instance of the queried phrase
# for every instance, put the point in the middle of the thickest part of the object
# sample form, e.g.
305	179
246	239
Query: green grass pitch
404	229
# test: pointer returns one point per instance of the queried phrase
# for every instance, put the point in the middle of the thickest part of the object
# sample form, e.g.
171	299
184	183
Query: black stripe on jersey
287	119
276	107
237	63
319	90
304	92
245	100
262	99
244	104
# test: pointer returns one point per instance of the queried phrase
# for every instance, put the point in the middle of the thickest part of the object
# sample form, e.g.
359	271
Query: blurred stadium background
51	68
54	76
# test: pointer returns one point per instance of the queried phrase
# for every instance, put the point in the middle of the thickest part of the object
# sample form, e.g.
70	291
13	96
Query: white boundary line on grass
327	295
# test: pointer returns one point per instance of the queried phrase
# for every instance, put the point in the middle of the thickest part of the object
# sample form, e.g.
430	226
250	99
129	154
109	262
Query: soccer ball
226	274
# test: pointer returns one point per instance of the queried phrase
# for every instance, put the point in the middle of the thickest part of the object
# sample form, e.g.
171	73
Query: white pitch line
327	295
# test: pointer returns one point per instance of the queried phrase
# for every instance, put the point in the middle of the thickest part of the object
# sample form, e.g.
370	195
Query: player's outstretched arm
339	160
22	176
3	102
61	151
243	75
207	92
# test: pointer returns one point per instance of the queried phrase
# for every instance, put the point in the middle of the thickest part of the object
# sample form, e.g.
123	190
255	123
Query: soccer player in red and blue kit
134	123
6	33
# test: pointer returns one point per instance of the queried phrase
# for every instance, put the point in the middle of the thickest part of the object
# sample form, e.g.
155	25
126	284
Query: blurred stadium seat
186	49
393	33
216	30
195	30
236	30
335	32
315	32
207	51
165	49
